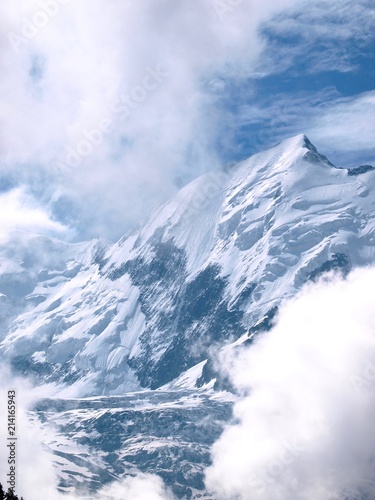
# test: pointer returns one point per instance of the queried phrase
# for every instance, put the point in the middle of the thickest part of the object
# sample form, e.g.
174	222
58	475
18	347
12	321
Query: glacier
127	333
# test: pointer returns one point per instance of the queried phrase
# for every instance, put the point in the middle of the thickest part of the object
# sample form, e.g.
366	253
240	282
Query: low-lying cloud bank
305	425
141	487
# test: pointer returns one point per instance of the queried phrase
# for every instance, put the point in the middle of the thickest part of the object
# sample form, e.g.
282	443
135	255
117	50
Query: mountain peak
240	239
298	147
301	141
307	143
297	141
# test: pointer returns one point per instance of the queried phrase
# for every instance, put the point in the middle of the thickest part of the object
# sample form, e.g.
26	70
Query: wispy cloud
305	423
347	125
320	36
340	127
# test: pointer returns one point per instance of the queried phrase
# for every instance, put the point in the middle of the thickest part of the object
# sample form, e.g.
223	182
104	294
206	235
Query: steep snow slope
204	271
27	259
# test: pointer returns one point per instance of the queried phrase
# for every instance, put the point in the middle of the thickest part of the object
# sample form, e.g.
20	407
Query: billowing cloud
141	487
305	428
114	103
34	473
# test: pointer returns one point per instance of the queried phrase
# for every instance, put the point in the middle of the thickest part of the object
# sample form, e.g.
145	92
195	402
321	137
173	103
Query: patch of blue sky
299	80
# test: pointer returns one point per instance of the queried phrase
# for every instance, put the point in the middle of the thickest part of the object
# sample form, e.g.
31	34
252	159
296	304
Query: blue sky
109	107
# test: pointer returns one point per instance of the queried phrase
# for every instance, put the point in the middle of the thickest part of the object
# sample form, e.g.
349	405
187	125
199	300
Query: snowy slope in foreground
206	268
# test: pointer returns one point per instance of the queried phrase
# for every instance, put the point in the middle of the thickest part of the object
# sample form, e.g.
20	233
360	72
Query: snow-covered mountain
201	273
207	270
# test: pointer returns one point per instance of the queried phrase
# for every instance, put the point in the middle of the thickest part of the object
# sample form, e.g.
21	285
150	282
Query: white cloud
347	125
141	487
330	34
35	476
63	81
20	212
305	425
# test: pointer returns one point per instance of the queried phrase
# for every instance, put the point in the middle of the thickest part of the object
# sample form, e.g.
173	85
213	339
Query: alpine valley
126	335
